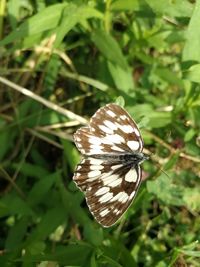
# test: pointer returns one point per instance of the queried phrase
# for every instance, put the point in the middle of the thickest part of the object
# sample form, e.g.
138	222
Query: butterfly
109	173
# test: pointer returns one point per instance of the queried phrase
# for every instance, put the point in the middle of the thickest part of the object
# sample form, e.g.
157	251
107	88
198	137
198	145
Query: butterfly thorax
124	158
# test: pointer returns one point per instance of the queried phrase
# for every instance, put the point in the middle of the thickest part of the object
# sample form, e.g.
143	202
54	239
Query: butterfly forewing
110	174
111	130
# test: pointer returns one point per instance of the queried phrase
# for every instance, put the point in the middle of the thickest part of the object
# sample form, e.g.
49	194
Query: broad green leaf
4	209
192	198
189	135
169	76
72	15
122	78
193	73
159	119
16	205
17	233
128	5
191	50
139	110
120	101
13	12
50	220
42	21
109	47
166	191
31	170
70	149
40	189
178	8
69	255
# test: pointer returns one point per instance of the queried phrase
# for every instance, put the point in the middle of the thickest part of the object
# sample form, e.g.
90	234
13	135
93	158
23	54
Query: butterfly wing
109	187
111	130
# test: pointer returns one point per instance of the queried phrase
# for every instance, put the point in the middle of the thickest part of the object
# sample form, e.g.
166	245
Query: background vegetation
64	59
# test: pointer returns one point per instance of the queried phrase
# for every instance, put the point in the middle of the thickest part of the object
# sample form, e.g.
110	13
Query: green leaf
16	205
166	191
191	50
71	16
31	170
70	149
178	8
71	255
17	233
45	20
169	76
189	135
159	119
109	47
120	101
192	199
193	73
40	189
122	78
128	5
49	222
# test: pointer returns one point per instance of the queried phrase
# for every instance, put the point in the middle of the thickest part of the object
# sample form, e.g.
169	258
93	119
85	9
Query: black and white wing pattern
109	174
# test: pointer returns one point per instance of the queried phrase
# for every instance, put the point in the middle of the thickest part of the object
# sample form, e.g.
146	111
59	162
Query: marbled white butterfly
110	173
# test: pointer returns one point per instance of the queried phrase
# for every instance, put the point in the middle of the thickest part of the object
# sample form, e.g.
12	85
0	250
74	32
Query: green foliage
73	57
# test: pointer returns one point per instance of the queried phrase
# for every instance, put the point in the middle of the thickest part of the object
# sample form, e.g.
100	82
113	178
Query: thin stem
45	102
171	149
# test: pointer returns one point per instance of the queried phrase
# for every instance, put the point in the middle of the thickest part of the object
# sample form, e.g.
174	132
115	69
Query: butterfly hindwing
109	187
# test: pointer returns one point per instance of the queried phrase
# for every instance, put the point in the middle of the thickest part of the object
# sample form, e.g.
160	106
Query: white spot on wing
116	182
111	113
94	161
95	151
137	132
102	191
123	117
92	179
94	140
131	176
96	167
77	174
105	129
134	145
114	138
110	179
126	128
116	211
132	194
106	197
110	125
94	173
104	212
78	168
114	167
117	148
121	197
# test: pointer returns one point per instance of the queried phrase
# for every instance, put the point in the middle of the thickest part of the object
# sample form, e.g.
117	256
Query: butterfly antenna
158	164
